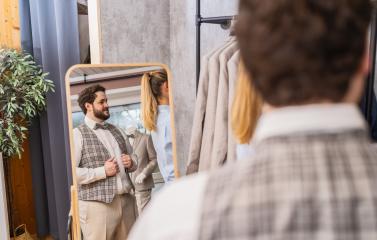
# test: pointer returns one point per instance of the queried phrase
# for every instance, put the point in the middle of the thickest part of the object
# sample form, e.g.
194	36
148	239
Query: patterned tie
104	126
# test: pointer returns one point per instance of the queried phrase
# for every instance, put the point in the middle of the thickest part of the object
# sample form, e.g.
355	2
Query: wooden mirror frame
75	229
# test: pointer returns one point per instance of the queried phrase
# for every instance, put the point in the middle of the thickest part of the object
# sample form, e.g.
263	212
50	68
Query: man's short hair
88	95
302	51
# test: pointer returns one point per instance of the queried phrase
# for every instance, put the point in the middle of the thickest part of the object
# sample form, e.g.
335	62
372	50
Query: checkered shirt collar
309	118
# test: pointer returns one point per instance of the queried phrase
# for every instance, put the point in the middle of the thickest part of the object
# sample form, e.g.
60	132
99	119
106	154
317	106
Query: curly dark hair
302	51
88	95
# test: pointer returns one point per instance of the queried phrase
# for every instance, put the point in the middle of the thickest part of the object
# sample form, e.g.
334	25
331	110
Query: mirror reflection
122	144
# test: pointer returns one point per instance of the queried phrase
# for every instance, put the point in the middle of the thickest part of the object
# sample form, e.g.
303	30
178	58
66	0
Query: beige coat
220	135
200	111
233	69
210	115
147	160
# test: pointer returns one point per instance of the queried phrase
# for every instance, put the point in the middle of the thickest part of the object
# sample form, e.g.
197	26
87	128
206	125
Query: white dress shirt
179	205
89	175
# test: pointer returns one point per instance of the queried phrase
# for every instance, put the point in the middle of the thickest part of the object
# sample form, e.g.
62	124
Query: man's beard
101	115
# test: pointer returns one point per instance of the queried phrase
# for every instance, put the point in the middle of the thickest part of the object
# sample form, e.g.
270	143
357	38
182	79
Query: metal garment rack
224	21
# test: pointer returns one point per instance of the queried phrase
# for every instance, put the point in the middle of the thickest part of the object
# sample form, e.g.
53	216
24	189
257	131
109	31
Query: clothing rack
224	21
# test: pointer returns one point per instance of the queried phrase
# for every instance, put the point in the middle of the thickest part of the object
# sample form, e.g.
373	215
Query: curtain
49	31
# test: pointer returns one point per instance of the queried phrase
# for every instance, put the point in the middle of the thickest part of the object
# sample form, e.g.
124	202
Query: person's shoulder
76	133
78	128
112	125
371	149
143	137
180	192
179	205
82	125
183	183
141	134
165	117
373	146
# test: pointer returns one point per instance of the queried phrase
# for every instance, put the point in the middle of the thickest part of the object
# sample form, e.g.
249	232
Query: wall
164	31
83	37
135	31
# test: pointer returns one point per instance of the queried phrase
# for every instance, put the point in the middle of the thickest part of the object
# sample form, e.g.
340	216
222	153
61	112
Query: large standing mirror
122	140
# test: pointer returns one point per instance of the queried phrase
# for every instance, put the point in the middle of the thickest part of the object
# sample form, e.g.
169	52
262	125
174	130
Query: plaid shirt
313	175
299	185
93	155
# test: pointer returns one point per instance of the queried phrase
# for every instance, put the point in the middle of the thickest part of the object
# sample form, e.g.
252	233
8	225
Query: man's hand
126	160
111	167
140	178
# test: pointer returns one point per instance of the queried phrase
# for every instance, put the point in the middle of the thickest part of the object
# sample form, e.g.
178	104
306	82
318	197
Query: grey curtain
49	30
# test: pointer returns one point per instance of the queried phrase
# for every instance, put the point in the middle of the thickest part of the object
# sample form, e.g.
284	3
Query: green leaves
23	88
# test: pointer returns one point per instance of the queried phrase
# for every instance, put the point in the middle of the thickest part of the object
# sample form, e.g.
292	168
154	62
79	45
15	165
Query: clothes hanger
233	23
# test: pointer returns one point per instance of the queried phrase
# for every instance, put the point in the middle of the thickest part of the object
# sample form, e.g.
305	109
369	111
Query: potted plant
23	88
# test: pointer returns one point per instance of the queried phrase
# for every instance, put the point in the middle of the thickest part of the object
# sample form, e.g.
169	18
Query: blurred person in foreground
313	174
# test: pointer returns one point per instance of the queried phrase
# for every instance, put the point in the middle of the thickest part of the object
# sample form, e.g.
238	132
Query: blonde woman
246	110
156	118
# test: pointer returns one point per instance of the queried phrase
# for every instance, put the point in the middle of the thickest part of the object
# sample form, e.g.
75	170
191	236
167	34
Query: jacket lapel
137	140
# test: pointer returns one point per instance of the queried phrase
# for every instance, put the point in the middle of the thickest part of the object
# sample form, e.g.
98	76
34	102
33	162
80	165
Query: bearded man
106	204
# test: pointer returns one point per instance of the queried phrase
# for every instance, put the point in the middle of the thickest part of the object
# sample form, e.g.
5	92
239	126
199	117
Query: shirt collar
309	118
91	123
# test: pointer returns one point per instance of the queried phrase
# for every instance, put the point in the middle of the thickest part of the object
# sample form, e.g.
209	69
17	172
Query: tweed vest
93	155
319	186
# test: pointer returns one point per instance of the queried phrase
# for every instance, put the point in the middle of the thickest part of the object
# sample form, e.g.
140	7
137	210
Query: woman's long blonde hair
246	108
150	92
